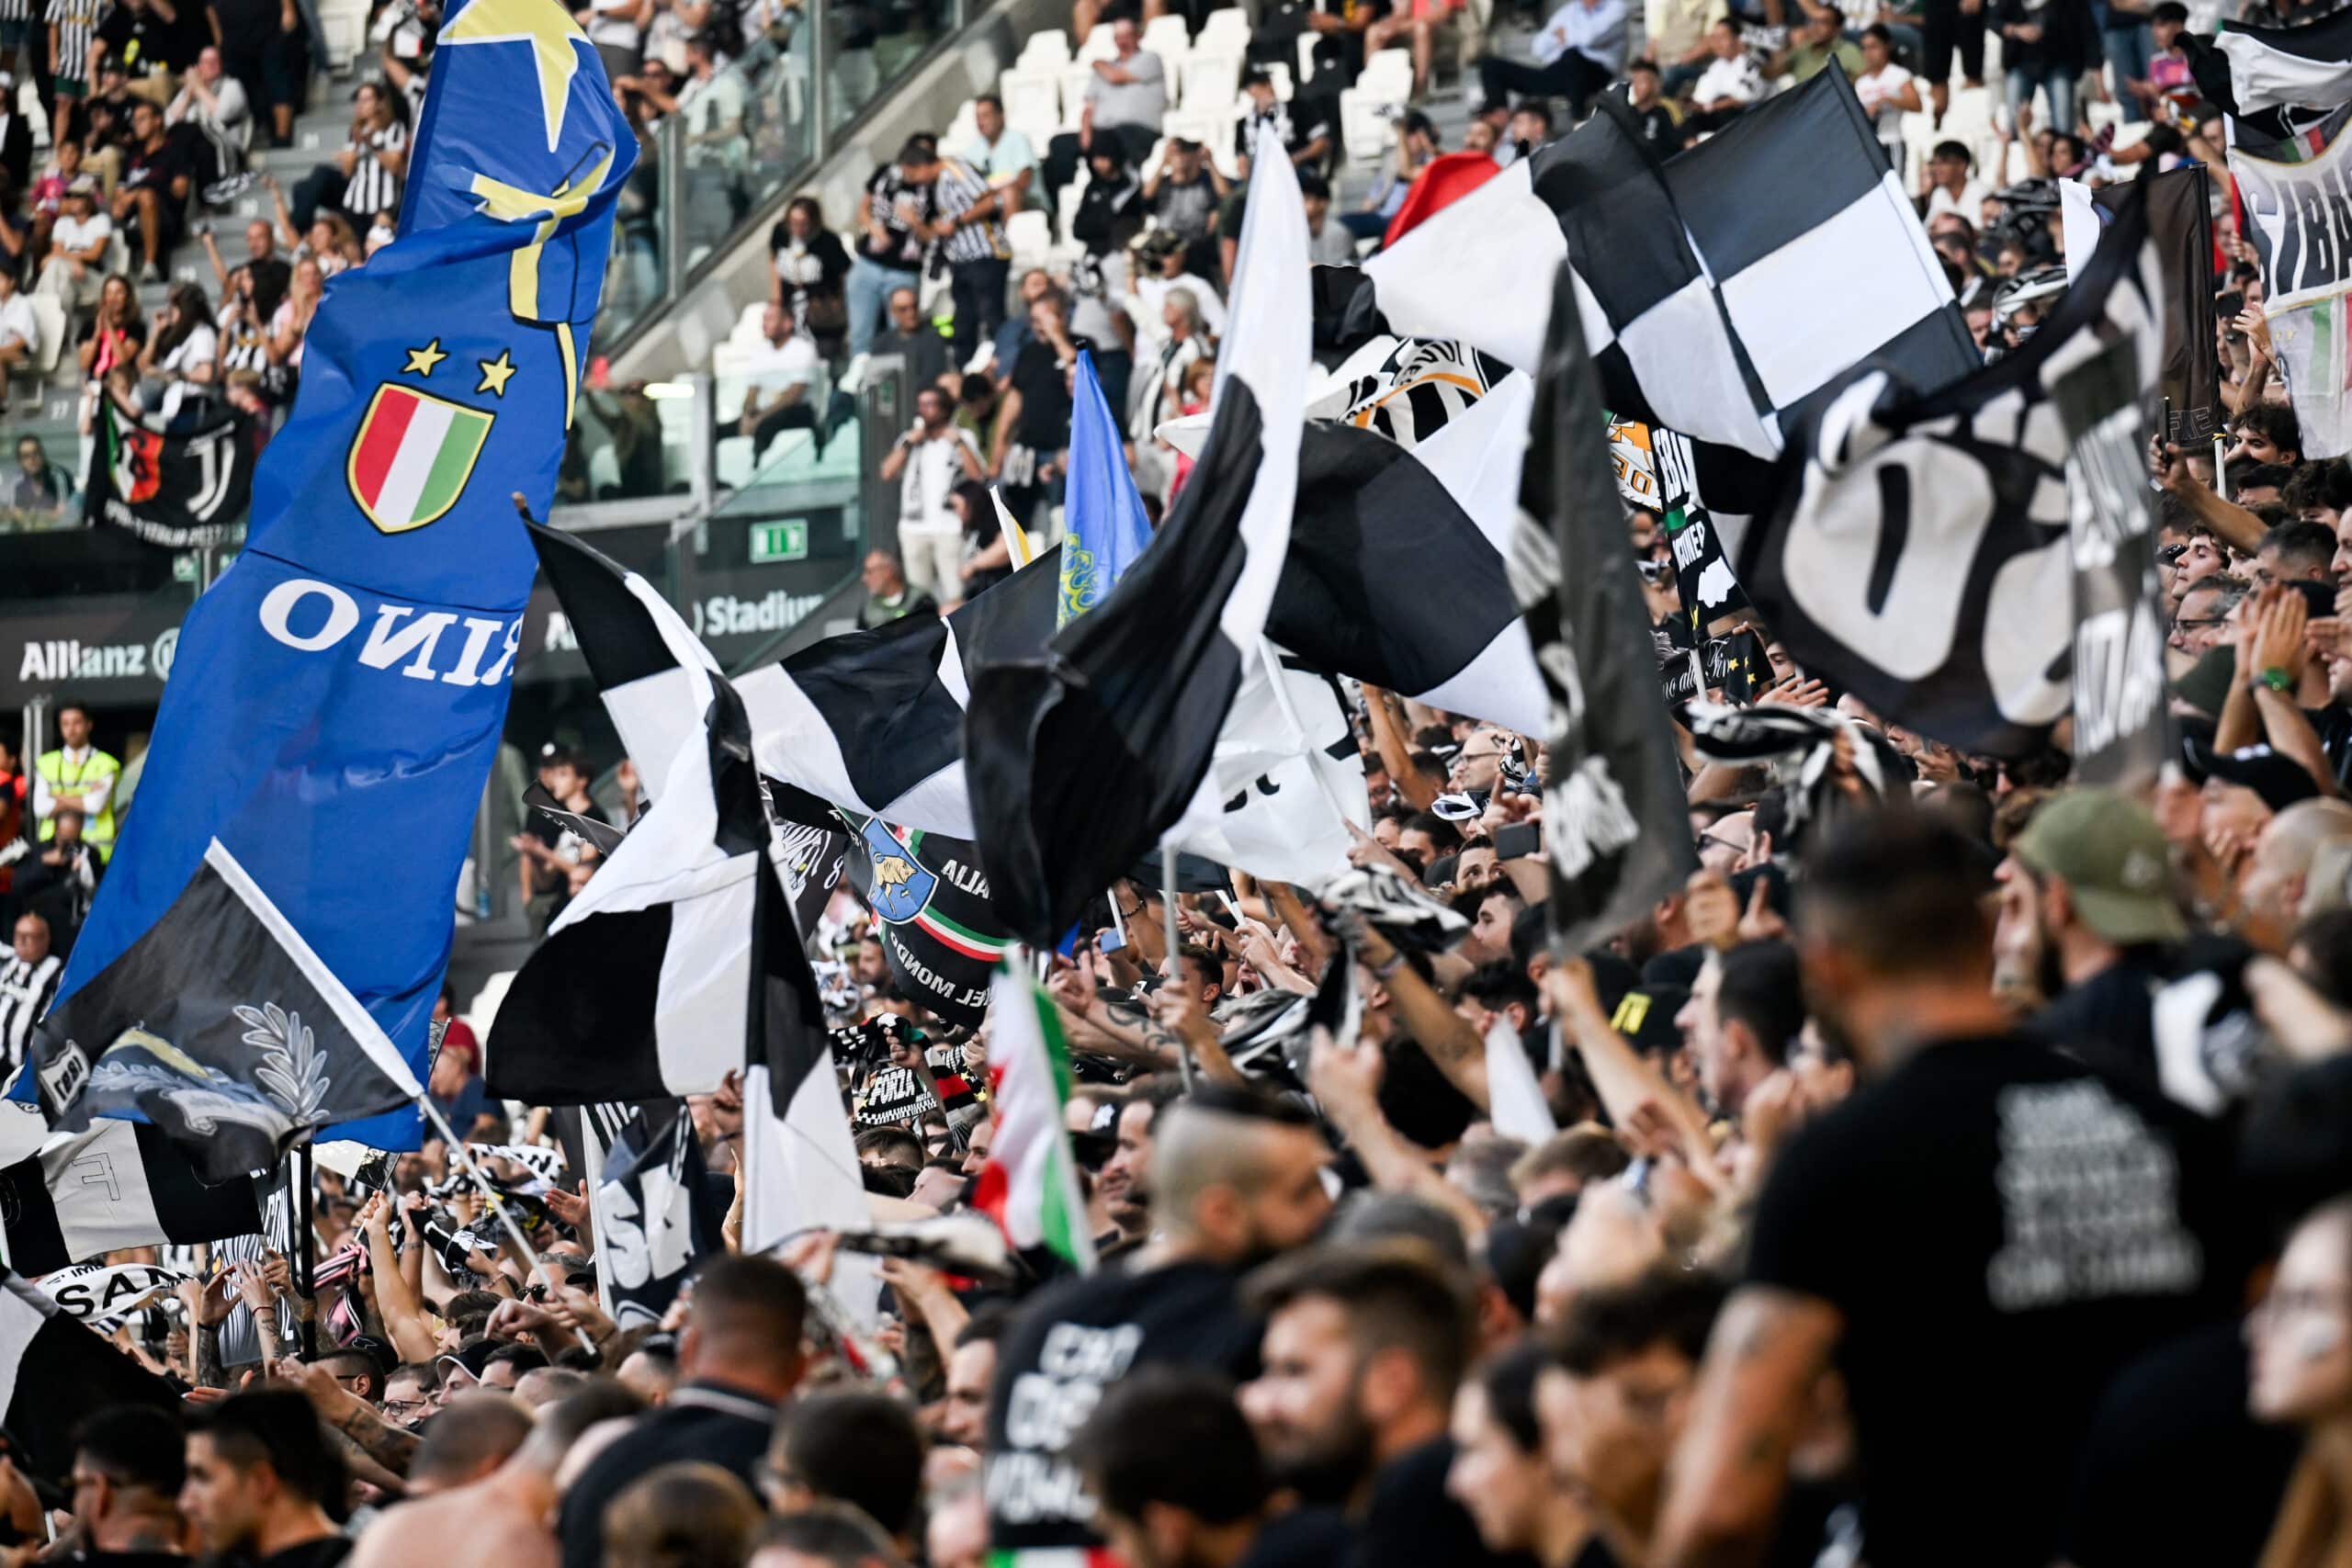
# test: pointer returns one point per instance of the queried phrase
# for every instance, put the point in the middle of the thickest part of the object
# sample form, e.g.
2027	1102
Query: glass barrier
722	138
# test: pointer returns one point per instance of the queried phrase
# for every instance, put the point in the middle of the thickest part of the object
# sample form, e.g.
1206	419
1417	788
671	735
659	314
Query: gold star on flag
544	26
496	372
421	361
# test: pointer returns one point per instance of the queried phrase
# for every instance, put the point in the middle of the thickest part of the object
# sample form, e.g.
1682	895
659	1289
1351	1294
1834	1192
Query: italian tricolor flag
1030	1183
954	935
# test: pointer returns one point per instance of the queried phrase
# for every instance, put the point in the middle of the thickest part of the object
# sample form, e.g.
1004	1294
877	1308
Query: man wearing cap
2087	916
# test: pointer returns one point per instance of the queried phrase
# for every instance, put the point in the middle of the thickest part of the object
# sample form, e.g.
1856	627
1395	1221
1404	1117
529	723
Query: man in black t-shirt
1340	1322
260	1473
889	252
1236	1177
1032	427
1978	1239
154	194
1651	116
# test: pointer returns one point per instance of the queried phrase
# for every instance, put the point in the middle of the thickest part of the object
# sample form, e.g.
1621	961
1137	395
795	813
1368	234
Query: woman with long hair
807	266
115	333
182	357
294	312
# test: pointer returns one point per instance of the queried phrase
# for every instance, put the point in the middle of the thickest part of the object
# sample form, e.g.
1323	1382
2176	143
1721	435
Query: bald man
503	1517
2274	883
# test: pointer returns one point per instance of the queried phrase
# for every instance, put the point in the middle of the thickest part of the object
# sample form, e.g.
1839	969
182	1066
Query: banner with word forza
183	491
343	684
2123	730
2299	213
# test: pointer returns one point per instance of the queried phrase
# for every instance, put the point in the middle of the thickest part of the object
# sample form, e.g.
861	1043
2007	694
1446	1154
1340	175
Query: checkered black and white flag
1718	291
1919	555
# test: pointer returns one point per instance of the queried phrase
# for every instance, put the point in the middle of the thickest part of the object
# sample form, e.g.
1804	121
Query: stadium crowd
1956	1170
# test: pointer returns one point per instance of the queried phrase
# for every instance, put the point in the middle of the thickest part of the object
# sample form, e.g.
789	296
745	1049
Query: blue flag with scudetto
339	693
1105	528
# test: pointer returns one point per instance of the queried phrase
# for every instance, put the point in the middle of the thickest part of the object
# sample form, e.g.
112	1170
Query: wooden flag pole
457	1147
1175	949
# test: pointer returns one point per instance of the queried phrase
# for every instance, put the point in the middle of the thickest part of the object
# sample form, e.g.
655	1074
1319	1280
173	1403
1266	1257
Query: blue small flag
1104	526
341	691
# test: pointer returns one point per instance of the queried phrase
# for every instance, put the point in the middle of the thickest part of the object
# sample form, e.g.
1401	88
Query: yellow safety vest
54	772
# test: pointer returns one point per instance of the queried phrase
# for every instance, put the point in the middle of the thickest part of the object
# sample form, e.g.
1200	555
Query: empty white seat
1211	80
1226	28
1031	235
1098	44
1075	80
49	312
1388	72
1168	38
1366	130
1279	75
1046	47
1031	98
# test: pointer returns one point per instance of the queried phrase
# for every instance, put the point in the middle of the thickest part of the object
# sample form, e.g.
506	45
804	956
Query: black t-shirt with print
886	192
2000	1229
1070	1344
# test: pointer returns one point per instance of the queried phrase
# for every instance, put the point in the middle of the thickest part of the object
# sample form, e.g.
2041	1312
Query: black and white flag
1616	821
183	491
1919	555
2298	215
1397	575
2123	730
223	1028
653	1216
99	1294
1082	760
1683	273
120	1184
54	1372
801	1171
2306	66
639	991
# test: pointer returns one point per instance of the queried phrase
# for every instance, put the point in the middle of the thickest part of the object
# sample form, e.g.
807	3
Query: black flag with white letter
1918	554
183	491
1614	817
653	1218
2123	731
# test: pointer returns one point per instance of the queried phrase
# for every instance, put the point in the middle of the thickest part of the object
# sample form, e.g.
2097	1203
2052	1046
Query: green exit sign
787	540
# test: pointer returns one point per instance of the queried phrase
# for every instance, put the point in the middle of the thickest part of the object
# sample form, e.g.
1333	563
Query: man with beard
1124	1182
260	1475
1237	1176
1998	1276
1180	1478
2087	902
1365	1344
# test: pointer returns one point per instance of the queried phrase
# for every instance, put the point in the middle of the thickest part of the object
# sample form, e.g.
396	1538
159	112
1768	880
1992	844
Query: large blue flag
340	692
1105	528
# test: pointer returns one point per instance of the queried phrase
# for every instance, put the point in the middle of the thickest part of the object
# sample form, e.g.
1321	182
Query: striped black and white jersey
26	991
77	23
15	10
958	189
243	346
374	188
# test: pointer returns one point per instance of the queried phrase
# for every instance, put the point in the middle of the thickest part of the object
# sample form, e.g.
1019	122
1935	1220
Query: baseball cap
2115	861
2277	778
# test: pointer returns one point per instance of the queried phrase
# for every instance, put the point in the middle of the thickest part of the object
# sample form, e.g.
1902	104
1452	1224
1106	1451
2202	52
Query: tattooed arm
1755	1391
345	1413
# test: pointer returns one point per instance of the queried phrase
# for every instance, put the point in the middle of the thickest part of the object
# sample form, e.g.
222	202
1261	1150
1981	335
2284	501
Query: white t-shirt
616	26
928	478
201	346
1968	203
81	233
17	320
773	366
1881	91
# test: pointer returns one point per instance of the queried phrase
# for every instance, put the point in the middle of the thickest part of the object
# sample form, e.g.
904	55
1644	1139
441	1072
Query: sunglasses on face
2170	554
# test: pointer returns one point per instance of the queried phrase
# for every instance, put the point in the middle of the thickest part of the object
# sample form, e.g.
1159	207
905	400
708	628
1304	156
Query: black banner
1615	817
2122	722
1702	574
938	932
2180	222
183	492
652	1217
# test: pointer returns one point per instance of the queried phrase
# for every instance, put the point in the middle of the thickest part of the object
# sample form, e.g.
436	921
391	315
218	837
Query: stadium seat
1211	81
1074	80
1098	44
963	127
1046	48
1387	76
1363	124
1306	58
1168	38
1278	75
1031	99
1227	29
1066	206
1031	235
50	312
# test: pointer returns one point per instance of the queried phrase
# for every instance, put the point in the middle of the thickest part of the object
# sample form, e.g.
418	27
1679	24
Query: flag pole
457	1147
1175	963
306	1262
